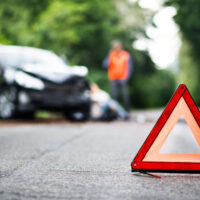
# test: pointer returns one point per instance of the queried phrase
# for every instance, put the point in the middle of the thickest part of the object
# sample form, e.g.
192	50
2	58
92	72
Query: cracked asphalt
62	160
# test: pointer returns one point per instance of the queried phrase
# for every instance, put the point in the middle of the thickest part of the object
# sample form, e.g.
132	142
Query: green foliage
150	87
187	18
100	77
153	90
79	29
189	69
17	18
143	63
82	30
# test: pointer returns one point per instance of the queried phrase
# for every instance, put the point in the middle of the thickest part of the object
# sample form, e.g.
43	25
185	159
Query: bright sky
165	42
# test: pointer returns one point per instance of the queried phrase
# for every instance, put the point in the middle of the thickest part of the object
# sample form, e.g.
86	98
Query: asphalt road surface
62	160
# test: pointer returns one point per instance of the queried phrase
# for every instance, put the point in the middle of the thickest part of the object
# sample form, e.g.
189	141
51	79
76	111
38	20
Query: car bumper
51	101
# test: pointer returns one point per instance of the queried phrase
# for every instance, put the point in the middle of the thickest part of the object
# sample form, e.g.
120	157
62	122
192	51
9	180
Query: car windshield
35	57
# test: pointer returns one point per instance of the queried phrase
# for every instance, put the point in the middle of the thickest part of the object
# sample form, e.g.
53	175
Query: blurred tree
132	22
79	29
149	86
189	68
187	17
17	18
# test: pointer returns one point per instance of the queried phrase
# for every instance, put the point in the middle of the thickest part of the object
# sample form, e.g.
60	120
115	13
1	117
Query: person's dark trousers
118	85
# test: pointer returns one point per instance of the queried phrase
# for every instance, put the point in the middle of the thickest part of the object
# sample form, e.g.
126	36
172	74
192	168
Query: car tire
77	116
7	103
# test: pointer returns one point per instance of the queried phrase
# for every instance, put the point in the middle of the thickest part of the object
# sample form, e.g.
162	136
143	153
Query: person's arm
105	63
130	66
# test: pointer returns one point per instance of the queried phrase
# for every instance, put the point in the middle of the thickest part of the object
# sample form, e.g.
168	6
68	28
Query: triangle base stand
165	167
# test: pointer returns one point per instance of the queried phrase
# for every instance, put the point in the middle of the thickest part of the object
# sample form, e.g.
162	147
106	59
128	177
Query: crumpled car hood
56	74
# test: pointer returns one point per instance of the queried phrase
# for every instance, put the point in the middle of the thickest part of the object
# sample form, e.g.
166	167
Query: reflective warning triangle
150	159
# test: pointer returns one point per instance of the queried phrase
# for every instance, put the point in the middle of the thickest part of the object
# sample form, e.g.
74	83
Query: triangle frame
140	165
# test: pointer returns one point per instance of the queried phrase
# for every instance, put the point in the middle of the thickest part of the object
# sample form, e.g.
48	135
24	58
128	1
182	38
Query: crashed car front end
50	86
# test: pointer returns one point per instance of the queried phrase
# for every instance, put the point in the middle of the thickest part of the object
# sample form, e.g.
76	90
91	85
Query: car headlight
28	81
79	70
9	75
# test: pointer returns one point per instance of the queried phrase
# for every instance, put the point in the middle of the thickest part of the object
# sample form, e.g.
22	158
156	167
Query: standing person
119	65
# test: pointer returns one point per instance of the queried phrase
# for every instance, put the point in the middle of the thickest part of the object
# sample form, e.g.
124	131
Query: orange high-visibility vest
118	65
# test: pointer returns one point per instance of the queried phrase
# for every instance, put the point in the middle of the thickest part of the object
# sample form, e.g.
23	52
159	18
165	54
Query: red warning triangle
150	159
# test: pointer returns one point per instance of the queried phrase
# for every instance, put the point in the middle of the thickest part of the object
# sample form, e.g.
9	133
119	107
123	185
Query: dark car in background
33	79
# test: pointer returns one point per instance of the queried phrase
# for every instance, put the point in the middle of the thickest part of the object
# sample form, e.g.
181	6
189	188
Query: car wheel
7	103
77	116
81	113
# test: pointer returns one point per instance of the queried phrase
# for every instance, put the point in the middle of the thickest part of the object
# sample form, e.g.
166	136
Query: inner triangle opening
180	140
